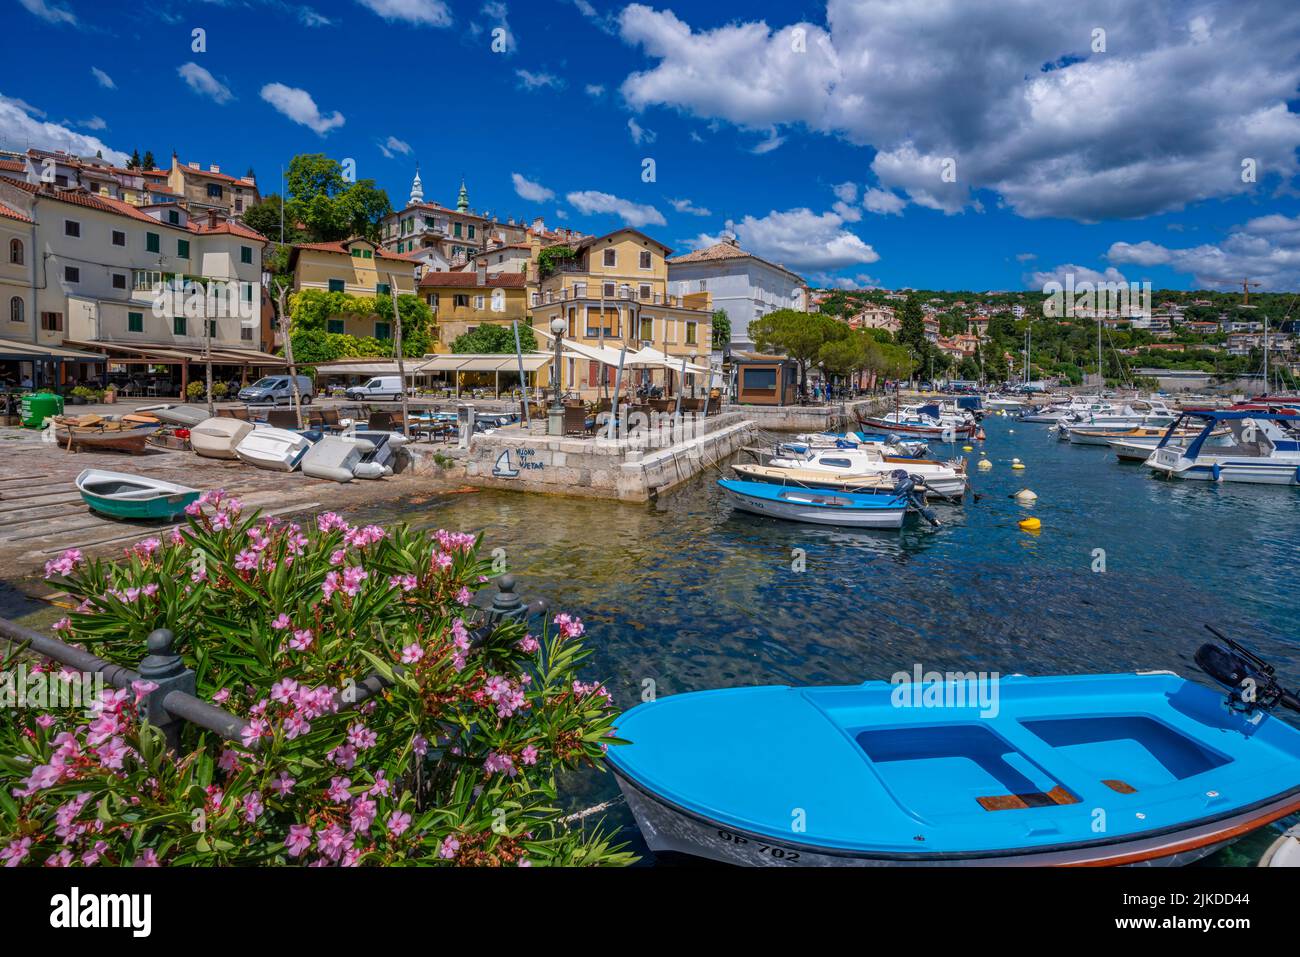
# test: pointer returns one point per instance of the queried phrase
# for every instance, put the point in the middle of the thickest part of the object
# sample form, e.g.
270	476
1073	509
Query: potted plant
196	390
110	394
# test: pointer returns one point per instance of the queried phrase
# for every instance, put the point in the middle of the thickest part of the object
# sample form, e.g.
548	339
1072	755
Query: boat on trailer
133	496
913	773
1261	448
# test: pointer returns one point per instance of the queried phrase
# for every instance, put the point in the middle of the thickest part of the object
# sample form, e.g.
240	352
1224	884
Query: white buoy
1026	495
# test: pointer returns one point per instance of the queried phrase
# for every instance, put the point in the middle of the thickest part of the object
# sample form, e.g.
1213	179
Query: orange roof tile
461	280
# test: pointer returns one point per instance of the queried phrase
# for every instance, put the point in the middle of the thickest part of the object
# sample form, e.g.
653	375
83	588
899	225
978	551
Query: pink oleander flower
143	689
464	596
345	756
296	725
398	822
527	644
362	814
45	720
420	745
146	548
282	621
569	626
222	696
525	862
148	859
301	640
404	582
64	564
382	785
361	737
338	556
63	624
449	848
299	839
442	560
284	691
528	755
330	521
229	760
498	762
253	807
221	521
255	729
412	653
338	790
91	856
283	784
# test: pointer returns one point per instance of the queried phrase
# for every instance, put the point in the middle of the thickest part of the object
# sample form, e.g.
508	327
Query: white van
274	389
380	387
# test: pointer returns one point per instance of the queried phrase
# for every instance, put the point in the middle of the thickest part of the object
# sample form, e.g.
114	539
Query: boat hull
671	829
946	433
130	496
805	509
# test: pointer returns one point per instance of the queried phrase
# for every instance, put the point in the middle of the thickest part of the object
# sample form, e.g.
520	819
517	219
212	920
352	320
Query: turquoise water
684	593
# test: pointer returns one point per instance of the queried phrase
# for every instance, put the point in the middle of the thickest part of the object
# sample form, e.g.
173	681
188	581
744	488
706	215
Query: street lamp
555	416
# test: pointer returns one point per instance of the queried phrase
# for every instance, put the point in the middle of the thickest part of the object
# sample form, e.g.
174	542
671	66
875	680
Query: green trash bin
38	407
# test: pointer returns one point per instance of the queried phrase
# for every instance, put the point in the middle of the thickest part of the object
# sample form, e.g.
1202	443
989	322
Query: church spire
417	188
462	201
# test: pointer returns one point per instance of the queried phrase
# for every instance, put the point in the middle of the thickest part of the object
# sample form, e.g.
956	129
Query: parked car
274	389
379	387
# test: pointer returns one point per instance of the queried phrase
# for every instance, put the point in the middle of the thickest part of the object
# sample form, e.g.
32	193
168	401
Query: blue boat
1143	768
818	506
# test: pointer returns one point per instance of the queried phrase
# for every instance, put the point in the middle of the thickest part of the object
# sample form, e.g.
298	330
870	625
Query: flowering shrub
455	762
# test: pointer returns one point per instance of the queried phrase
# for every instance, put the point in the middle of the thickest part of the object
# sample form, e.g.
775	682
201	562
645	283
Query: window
147	279
119	280
71	274
72	228
611	257
152	243
704	284
119	238
367	254
334	327
382	289
455	230
214	190
135	322
647	328
15	309
16	251
183	248
173	217
356	253
645	290
336	285
432	300
462	301
246	291
178	326
478	302
759	380
52	321
471	232
239	205
382	331
690	333
246	254
645	259
212	328
607	290
246	333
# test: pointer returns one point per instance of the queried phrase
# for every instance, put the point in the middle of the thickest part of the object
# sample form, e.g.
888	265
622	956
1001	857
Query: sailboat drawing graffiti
523	459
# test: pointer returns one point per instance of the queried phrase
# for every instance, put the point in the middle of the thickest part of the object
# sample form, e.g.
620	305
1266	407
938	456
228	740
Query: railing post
165	668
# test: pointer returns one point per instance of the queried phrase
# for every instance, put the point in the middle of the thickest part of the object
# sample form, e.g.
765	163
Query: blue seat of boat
858	773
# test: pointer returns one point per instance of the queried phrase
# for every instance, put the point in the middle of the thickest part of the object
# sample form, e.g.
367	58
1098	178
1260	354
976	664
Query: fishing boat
133	496
817	506
958	770
808	478
909	448
279	450
217	438
1262	448
943	478
102	434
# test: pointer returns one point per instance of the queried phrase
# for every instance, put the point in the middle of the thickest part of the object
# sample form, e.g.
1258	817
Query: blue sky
820	131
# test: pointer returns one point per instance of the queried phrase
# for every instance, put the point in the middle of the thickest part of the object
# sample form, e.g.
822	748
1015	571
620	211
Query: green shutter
178	325
382	289
135	322
245	254
381	331
183	248
336	285
151	242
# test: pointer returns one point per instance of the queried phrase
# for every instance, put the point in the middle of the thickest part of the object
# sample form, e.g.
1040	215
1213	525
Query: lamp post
555	416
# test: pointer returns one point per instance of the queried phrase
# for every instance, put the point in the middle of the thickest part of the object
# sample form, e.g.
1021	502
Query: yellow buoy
1030	524
985	464
968	448
1018	465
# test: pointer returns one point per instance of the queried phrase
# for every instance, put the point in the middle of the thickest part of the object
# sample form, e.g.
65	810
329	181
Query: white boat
216	438
1138	448
817	506
276	449
1002	403
1285	851
186	416
335	458
1262	448
947	479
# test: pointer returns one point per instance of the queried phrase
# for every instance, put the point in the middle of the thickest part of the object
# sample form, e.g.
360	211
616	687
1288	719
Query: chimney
481	269
193	165
214	168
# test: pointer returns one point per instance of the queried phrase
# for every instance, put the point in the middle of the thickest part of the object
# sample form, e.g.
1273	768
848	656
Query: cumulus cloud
536	80
22	126
595	90
1265	249
639	133
299	106
204	83
530	190
422	13
392	146
1158	121
799	238
1038	280
49	12
634	214
883	202
103	78
94	123
686	206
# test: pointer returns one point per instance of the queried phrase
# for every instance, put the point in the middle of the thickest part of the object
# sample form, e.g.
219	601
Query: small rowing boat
962	769
133	496
817	506
100	433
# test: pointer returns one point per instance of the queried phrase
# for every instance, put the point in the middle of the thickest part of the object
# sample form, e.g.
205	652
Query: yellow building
614	292
463	301
357	267
203	189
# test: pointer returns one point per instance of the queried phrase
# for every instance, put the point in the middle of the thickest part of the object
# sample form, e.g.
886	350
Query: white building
746	286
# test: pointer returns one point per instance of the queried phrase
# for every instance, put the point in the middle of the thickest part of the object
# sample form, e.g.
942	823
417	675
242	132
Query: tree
550	257
799	335
265	218
721	329
148	160
911	331
495	338
417	322
134	161
328	205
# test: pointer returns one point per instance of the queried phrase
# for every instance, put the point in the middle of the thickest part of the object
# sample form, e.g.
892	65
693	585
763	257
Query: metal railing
173	702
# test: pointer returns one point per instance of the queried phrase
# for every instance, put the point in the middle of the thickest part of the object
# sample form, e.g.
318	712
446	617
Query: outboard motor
912	487
1249	678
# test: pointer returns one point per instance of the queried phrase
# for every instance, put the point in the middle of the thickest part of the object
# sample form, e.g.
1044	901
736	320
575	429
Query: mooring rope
594	809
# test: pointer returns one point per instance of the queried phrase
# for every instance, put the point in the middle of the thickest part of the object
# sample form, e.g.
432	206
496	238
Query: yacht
1262	448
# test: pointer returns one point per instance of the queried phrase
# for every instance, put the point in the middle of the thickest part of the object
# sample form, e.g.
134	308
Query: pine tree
148	159
134	161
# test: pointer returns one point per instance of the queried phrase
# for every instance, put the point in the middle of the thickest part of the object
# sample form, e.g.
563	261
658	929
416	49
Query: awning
483	362
648	356
30	351
605	354
173	354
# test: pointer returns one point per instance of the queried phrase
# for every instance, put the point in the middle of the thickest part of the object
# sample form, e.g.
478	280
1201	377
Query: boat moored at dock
818	506
1262	448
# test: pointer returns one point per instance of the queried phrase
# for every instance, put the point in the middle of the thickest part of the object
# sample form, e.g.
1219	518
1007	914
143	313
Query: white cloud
604	22
1155	123
498	15
825	280
424	13
204	83
21	127
311	18
686	206
94	123
799	238
299	106
1038	280
531	80
1026	257
595	90
773	141
639	134
392	146
49	12
883	202
1265	249
591	201
103	78
532	191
